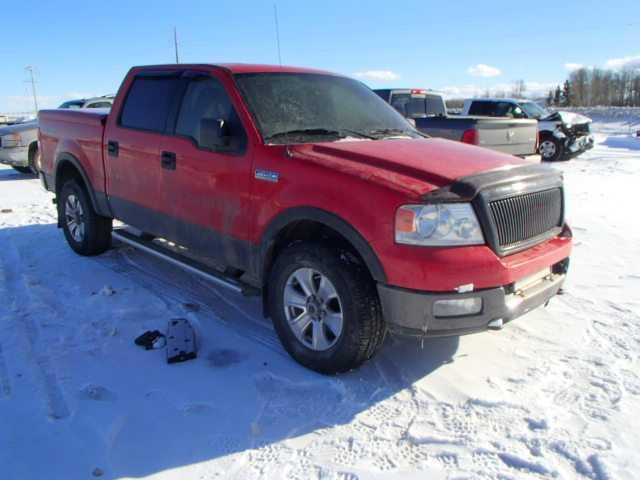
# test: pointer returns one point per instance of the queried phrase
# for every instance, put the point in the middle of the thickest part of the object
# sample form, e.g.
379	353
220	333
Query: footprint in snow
225	358
98	392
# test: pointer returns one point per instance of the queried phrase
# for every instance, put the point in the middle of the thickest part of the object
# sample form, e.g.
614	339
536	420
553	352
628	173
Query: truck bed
78	132
506	135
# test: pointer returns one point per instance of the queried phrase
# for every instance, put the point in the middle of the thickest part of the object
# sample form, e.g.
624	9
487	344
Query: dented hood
567	118
413	166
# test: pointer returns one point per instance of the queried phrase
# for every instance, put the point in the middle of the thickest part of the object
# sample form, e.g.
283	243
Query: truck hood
19	127
412	166
567	118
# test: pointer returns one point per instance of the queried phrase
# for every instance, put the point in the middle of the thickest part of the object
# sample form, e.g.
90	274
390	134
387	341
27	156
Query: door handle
113	148
168	160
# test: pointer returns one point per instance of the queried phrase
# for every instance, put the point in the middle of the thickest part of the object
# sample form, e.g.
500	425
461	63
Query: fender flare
101	207
328	219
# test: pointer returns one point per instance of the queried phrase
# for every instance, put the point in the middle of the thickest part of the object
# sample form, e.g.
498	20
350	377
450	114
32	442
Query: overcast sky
83	48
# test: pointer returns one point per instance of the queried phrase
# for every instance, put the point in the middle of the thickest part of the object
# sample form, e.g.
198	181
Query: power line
275	17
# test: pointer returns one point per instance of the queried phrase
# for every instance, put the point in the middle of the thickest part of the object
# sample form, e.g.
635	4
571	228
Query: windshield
303	108
72	104
534	110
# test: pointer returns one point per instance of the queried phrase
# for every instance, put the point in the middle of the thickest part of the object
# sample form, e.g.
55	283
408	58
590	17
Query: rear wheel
551	149
325	308
86	232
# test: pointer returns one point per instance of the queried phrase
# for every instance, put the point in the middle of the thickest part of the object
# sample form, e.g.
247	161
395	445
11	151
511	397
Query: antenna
29	69
175	43
275	17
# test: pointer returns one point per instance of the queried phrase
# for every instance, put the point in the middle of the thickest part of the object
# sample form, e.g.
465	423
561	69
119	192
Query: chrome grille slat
523	217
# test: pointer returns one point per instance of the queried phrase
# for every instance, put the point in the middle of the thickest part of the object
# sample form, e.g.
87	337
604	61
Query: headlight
11	140
438	225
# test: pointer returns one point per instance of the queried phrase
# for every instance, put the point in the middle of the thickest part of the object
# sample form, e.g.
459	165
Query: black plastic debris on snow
151	339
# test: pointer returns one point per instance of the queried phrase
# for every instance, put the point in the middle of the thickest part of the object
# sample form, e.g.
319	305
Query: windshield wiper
325	132
389	132
304	131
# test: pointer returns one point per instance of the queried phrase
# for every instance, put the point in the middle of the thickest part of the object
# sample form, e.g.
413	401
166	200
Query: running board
183	262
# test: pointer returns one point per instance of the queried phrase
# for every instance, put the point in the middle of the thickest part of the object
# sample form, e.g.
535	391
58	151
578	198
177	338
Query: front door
208	190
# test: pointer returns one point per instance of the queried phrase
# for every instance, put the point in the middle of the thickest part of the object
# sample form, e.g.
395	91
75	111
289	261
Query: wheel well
67	171
309	231
33	148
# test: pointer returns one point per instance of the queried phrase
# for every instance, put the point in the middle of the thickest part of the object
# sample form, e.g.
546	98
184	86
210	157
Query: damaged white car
563	135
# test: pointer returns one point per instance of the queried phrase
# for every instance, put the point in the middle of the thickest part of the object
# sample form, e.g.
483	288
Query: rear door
132	155
208	188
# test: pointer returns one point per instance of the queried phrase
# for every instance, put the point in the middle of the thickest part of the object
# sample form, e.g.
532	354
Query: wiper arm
389	132
304	131
344	132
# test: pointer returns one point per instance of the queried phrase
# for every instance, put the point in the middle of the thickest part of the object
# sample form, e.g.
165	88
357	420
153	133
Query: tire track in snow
37	351
5	383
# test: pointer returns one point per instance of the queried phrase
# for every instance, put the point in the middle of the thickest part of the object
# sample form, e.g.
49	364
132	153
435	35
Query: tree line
587	87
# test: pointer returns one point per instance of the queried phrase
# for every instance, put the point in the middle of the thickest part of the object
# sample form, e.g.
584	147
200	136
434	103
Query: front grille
525	217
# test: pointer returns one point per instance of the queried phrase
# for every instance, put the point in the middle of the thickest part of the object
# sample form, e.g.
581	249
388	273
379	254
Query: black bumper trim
410	313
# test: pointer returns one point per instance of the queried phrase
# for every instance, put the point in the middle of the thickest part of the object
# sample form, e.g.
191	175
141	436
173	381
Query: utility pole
275	16
29	69
175	43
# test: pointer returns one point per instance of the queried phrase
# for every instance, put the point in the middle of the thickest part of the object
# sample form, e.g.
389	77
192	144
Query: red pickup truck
307	187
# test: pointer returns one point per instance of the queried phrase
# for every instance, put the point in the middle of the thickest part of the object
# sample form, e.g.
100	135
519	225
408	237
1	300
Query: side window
206	99
148	103
483	109
99	105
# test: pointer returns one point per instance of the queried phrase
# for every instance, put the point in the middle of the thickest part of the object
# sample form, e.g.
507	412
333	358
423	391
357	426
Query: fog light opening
457	307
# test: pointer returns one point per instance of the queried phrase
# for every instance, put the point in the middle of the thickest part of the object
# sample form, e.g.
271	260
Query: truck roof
239	68
495	99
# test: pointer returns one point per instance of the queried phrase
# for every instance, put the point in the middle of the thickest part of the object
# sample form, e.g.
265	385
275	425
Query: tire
362	328
23	170
86	232
551	149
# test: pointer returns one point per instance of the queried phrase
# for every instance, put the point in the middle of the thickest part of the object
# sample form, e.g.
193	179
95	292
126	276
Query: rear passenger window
483	109
205	97
148	103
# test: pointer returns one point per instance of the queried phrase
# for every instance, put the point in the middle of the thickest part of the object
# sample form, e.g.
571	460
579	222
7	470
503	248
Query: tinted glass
148	103
99	105
300	102
72	104
418	105
491	109
207	98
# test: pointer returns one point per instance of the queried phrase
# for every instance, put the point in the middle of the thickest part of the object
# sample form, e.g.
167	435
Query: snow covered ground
555	394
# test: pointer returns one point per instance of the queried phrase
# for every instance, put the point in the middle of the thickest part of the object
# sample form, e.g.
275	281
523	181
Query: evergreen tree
557	98
567	94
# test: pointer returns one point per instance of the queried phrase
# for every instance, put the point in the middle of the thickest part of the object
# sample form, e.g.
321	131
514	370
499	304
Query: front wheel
86	232
325	308
551	149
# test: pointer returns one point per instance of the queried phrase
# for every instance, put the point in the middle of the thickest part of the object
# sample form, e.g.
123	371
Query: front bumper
581	144
410	312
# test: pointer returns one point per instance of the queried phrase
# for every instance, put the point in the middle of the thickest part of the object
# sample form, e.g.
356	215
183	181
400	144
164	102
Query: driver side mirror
214	133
